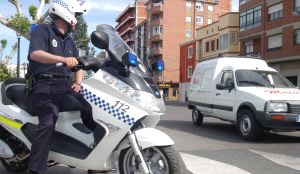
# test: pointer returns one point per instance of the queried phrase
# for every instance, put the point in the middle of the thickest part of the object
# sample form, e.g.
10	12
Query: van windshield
262	78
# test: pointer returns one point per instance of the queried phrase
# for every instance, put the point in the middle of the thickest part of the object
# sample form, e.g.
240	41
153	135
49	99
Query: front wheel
13	165
160	160
248	127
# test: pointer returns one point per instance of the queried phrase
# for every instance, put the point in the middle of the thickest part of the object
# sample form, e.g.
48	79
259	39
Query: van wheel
197	117
248	127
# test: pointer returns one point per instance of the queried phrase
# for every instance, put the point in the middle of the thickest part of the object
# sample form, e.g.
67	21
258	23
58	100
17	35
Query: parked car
246	92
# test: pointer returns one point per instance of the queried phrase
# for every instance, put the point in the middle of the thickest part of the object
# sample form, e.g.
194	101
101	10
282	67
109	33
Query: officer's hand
70	61
76	87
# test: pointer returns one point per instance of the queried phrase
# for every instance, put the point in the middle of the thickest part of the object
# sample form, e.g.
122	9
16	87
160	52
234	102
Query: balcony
157	22
157	51
156	38
157	8
129	17
130	28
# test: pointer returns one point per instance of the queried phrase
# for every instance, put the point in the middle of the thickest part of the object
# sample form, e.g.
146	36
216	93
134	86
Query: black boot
99	133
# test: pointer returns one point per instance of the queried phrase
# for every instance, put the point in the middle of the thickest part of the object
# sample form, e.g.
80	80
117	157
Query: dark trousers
45	100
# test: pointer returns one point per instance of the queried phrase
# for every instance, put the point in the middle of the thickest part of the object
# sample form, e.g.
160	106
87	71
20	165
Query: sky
102	12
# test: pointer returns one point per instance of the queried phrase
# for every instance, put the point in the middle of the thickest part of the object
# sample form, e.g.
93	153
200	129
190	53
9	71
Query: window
188	33
250	18
227	77
188	19
249	50
233	38
217	44
157	45
207	47
257	16
190	71
199	6
275	12
190	51
212	45
209	21
174	92
275	42
156	30
224	41
210	8
293	80
297	36
188	5
199	20
297	5
243	1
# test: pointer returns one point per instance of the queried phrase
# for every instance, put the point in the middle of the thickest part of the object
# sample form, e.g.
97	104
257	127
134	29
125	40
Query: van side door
224	97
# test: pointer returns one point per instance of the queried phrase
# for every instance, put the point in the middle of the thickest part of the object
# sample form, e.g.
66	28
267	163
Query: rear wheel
197	117
248	127
160	160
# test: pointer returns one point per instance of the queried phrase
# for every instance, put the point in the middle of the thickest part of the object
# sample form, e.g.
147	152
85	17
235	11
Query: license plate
298	118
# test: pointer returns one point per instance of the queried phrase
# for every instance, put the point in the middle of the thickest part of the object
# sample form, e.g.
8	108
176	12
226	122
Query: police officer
49	45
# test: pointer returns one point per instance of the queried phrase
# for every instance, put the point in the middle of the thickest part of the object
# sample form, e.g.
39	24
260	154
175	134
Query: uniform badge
54	43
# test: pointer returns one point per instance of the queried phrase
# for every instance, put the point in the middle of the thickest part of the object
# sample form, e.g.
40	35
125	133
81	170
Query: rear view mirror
100	40
220	86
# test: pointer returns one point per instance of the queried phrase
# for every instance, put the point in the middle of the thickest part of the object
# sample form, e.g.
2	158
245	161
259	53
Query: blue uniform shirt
47	38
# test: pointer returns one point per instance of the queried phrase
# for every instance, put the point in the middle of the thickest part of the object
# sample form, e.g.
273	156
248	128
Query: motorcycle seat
16	93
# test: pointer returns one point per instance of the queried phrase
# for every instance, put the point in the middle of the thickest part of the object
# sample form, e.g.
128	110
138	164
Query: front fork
138	153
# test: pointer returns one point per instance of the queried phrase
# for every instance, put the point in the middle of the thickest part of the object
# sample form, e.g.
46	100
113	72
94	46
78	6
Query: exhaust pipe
5	150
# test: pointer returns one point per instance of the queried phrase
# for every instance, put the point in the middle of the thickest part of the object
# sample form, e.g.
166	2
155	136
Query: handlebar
85	63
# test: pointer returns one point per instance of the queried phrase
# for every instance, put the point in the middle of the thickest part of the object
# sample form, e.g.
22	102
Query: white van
244	91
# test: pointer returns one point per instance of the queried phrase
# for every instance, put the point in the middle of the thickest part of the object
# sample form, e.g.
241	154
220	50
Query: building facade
217	39
271	29
170	23
132	16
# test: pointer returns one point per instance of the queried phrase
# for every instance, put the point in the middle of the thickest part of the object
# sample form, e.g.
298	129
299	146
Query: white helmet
68	10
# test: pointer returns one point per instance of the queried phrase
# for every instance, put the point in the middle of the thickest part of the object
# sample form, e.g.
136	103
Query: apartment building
217	39
132	16
271	29
171	22
140	41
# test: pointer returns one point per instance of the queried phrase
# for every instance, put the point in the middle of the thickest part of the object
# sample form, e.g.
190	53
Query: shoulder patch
54	43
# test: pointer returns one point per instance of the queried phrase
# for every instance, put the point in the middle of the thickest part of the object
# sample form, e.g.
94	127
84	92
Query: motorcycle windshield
139	78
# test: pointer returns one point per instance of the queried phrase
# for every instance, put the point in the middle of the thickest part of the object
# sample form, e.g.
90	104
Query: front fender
149	137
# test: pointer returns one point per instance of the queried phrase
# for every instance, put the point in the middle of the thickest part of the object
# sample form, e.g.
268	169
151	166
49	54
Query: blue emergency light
130	59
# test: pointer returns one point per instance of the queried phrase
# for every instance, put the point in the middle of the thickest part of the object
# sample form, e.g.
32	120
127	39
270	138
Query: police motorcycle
127	105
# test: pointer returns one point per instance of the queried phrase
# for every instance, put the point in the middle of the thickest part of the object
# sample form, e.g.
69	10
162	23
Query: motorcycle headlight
277	107
145	99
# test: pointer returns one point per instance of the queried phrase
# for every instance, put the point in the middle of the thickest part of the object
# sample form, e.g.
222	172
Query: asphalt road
217	148
218	144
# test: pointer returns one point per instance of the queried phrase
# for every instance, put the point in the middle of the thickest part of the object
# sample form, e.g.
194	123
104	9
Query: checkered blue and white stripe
107	107
62	3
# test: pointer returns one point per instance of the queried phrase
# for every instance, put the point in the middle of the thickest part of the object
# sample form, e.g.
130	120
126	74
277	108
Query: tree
81	37
6	59
4	72
20	23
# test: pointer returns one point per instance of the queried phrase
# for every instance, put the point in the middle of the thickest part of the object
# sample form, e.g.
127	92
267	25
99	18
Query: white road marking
202	165
284	160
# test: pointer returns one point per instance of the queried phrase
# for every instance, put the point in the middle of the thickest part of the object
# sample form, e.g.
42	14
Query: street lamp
18	58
